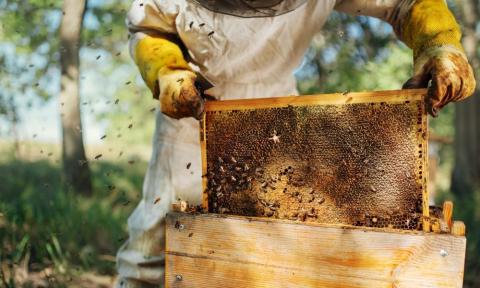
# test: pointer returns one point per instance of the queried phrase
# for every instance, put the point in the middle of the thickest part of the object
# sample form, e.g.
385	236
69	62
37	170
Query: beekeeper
249	49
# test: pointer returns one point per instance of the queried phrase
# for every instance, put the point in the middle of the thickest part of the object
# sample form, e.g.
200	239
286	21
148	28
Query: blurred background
73	153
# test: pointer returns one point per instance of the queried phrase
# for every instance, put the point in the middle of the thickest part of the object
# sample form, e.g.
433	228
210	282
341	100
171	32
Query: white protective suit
243	58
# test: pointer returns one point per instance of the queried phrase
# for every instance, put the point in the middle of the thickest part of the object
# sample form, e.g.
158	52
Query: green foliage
50	227
355	54
29	53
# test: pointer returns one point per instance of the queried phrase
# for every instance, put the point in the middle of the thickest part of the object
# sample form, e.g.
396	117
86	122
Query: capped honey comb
352	158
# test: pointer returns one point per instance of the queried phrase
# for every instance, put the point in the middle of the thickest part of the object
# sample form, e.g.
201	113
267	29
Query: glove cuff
434	52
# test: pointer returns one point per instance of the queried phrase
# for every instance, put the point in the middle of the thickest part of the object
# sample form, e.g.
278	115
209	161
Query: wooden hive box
349	169
213	250
347	158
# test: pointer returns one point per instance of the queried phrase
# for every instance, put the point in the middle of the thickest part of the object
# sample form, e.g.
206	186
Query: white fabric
243	58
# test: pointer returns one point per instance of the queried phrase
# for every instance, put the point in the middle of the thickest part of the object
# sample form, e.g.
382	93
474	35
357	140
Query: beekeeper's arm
156	51
430	29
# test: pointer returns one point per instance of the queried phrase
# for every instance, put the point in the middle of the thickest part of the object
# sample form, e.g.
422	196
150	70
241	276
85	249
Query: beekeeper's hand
178	95
450	74
430	29
169	77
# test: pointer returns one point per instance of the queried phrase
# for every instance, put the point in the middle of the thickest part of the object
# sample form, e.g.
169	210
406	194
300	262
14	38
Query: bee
302	216
98	156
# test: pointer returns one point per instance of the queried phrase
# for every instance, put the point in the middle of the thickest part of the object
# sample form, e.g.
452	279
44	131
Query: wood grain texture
448	212
458	228
210	250
203	148
392	96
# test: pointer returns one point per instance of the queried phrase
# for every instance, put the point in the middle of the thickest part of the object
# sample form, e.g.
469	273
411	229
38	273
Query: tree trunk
466	174
76	173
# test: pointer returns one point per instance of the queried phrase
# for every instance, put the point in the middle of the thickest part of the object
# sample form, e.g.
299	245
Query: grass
43	227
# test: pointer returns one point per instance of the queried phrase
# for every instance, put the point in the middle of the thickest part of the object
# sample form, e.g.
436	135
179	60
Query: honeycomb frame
255	165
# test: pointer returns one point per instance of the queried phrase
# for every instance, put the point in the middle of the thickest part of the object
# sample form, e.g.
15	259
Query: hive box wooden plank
350	158
212	250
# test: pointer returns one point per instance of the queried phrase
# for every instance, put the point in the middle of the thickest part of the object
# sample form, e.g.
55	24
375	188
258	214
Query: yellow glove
432	32
167	74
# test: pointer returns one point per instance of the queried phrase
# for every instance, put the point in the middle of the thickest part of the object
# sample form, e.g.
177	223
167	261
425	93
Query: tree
75	166
466	173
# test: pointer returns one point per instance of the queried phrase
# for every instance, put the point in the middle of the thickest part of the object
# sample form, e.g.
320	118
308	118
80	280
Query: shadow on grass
41	225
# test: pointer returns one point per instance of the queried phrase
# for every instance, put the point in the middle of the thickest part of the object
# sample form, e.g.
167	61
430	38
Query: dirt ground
50	278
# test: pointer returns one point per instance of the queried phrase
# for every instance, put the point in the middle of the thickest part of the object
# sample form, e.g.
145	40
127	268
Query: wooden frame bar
210	250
